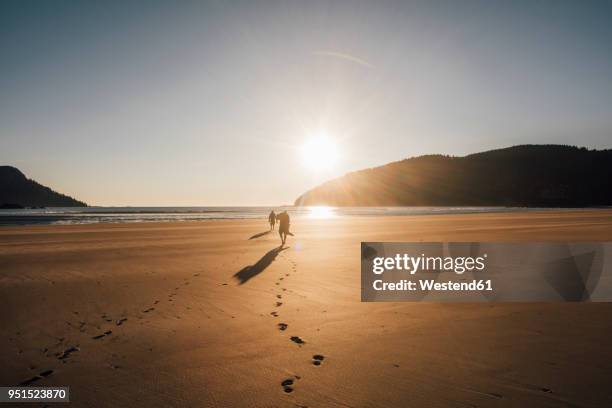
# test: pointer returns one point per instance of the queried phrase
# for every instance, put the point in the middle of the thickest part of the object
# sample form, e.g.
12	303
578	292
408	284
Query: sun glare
320	211
319	153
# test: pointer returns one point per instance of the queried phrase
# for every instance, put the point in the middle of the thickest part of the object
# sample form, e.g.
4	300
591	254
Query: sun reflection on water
321	211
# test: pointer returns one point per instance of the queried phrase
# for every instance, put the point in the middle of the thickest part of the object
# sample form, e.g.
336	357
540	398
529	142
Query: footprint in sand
287	385
66	353
317	359
121	321
101	336
282	326
278	304
275	314
148	310
40	376
279	296
297	340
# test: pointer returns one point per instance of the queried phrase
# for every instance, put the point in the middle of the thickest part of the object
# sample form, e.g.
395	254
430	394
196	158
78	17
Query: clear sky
208	103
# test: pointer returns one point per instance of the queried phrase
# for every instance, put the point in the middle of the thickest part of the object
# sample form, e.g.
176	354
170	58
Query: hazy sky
178	103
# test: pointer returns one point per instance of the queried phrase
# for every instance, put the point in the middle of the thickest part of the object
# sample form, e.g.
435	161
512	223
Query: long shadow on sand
251	271
261	234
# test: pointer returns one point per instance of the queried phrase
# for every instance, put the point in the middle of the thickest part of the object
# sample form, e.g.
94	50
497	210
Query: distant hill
17	190
526	176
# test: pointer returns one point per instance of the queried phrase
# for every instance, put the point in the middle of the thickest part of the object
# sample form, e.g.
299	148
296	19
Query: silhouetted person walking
283	228
272	219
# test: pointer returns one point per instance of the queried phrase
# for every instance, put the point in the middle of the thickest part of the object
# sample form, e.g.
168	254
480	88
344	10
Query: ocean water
59	215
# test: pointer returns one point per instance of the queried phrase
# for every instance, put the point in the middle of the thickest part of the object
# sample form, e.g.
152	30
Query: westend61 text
430	284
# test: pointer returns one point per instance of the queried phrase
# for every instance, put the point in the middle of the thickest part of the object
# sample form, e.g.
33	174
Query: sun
319	153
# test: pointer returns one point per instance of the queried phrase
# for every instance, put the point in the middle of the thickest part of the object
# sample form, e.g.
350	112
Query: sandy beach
198	314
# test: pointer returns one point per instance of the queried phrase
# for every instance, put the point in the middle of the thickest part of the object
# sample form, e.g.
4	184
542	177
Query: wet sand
196	314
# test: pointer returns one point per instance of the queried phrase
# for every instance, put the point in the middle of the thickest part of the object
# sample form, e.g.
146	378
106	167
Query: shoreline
95	215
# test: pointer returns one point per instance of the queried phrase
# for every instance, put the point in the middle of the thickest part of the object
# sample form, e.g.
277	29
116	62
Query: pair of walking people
283	227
